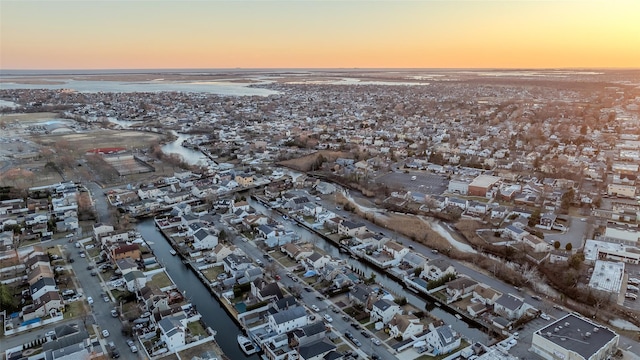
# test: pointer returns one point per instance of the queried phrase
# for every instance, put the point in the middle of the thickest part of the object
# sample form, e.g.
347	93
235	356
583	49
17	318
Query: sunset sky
319	34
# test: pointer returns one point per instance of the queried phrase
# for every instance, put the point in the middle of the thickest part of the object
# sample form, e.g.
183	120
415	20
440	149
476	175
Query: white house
442	339
437	268
204	239
405	326
288	319
349	228
383	310
509	306
172	332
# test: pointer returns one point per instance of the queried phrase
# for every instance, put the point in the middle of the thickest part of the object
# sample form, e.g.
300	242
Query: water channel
212	312
460	326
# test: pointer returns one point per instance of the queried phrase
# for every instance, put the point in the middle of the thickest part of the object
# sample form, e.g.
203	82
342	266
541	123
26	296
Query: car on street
545	316
315	307
356	342
348	335
307	289
82	255
90	300
376	341
133	348
375	357
105	333
327	317
356	326
106	298
365	333
536	297
512	343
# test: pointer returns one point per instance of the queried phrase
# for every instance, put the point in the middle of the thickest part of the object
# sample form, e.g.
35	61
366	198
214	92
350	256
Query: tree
568	247
556	244
534	219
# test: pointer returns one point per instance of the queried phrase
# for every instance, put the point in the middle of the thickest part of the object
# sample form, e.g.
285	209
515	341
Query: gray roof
42	283
360	292
316	348
510	302
445	334
290	314
383	304
515	229
574	336
313	329
352	225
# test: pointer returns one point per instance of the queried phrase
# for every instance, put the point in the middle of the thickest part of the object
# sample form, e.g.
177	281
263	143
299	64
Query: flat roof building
574	337
607	276
481	184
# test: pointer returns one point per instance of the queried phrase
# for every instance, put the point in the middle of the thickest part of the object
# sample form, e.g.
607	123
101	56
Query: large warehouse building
482	184
574	338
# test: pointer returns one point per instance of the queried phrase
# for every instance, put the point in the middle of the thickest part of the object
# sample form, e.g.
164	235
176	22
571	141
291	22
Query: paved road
576	234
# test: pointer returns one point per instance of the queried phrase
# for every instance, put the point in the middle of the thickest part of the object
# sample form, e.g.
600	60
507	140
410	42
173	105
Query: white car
105	333
327	317
315	308
375	341
134	349
545	316
512	343
90	300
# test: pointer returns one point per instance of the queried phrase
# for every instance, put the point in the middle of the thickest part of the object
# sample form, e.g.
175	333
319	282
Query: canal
471	333
212	312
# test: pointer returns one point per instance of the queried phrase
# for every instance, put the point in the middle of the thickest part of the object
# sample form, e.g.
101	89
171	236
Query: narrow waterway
212	312
460	326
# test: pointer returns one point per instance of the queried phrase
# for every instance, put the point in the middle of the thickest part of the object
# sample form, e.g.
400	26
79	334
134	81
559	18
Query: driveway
576	234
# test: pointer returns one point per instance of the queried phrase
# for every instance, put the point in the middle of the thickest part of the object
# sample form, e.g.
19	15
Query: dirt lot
102	138
304	163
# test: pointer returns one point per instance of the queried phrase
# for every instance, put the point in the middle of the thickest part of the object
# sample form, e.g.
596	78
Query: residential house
350	228
172	332
263	290
135	280
459	203
49	302
547	220
244	179
437	268
288	319
296	203
236	264
442	339
204	239
511	307
498	212
316	261
538	244
153	298
42	287
515	232
395	250
100	228
39	272
221	251
405	326
485	294
362	294
296	252
461	287
127	265
318	350
36	261
125	251
383	310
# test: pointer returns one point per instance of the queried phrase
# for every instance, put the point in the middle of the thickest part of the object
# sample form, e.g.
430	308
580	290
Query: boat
172	252
246	345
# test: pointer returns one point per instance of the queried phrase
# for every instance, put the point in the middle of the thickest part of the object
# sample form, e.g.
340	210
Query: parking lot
425	182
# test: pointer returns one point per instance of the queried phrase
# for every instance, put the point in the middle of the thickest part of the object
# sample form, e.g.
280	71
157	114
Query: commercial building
574	337
481	185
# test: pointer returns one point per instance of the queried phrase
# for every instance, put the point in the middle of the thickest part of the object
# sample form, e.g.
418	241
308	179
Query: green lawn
160	280
197	329
74	309
212	273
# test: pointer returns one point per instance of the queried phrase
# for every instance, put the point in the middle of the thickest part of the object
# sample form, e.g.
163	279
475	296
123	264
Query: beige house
405	326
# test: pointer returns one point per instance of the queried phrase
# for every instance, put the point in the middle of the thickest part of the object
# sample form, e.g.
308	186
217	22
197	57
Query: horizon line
316	69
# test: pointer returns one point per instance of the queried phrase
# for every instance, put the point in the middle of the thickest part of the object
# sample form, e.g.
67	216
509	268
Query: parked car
90	300
105	333
114	312
376	341
328	317
545	316
315	307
